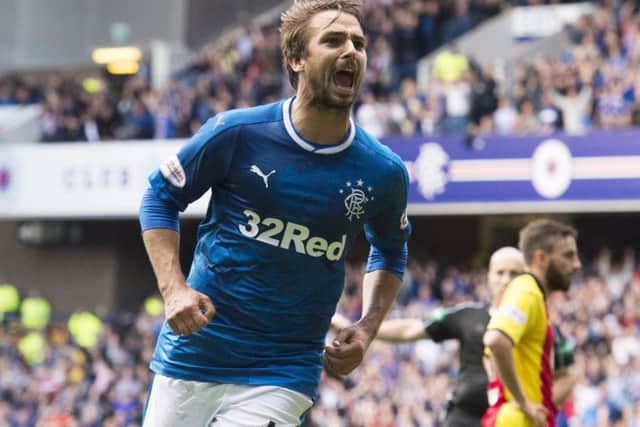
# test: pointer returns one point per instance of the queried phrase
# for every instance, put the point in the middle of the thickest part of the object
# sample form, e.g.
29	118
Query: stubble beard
556	280
319	96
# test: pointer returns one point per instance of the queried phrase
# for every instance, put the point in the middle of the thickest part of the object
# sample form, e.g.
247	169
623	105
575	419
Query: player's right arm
182	179
502	356
186	310
504	331
402	330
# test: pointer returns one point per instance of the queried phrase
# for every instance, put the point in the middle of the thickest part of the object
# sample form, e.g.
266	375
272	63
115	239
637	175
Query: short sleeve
199	165
390	229
516	310
444	325
563	350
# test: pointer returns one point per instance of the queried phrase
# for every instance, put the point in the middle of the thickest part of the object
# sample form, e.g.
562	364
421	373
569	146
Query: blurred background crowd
593	85
408	385
91	369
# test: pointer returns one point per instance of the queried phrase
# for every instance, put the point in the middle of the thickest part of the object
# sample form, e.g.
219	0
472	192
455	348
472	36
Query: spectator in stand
369	116
613	109
484	99
459	23
549	115
405	45
599	312
594	82
432	115
527	121
457	96
450	65
505	117
428	26
575	107
380	75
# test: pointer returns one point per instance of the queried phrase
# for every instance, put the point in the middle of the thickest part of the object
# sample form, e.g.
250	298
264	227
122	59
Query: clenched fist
346	351
187	310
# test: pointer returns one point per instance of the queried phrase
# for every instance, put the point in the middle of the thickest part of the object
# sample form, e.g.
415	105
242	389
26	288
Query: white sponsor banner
81	180
545	20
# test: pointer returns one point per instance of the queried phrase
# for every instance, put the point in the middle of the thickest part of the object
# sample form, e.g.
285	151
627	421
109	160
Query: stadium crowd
69	382
593	85
103	381
407	385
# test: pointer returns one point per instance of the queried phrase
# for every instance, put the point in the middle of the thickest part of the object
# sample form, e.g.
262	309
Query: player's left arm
347	349
388	232
564	377
379	290
563	383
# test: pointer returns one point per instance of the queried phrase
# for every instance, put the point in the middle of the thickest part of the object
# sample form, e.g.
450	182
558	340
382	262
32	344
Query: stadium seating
72	383
593	85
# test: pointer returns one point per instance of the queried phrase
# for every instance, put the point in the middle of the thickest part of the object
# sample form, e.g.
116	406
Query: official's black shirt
563	350
466	323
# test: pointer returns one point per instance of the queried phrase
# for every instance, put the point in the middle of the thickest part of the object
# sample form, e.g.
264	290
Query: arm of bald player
402	330
347	350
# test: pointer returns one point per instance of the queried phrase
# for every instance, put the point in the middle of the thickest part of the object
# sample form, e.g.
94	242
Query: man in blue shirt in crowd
293	184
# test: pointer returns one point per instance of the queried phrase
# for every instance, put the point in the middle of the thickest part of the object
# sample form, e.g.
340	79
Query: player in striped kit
519	335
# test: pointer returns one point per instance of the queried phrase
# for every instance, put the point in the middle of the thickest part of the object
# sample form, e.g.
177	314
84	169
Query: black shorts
457	417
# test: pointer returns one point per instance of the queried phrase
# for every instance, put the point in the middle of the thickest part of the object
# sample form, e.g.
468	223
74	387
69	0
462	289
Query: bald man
466	323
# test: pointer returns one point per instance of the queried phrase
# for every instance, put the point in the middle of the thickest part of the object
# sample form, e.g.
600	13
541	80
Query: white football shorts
174	402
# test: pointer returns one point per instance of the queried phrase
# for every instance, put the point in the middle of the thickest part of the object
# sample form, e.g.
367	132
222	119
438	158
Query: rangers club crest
356	198
430	170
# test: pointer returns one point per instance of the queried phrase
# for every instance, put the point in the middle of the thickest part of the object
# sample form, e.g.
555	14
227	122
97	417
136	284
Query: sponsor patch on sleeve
173	172
514	313
404	221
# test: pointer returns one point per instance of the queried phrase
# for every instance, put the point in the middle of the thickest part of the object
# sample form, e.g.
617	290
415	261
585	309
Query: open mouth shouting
344	79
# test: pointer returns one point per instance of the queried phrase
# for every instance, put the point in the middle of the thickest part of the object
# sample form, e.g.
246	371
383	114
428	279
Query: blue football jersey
270	251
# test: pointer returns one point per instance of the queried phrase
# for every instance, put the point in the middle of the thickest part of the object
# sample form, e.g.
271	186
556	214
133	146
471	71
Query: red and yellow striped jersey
522	317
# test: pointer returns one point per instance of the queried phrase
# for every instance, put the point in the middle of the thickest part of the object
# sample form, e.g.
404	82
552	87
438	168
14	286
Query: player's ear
297	64
540	257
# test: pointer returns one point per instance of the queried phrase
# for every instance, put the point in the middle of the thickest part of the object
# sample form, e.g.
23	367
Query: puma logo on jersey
219	122
265	177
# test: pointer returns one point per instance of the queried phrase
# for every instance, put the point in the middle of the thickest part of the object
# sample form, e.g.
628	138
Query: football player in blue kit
293	184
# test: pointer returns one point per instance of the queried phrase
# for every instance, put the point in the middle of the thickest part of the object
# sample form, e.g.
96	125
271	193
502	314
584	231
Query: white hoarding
81	180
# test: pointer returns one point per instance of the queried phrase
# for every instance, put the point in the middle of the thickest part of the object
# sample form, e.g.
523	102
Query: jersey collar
308	146
535	279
